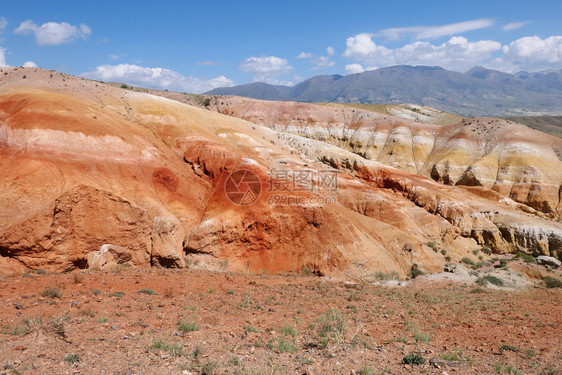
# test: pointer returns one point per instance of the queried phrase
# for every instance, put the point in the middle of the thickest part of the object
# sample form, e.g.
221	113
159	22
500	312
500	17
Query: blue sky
205	44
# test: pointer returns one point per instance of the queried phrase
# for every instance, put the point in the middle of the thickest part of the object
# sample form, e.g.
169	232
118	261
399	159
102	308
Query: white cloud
305	55
156	78
29	64
354	68
268	64
53	33
3	24
3	56
531	53
319	61
514	25
113	56
266	68
431	32
457	53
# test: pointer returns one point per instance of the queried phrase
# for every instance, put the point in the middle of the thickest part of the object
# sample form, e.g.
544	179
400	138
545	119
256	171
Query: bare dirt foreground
139	321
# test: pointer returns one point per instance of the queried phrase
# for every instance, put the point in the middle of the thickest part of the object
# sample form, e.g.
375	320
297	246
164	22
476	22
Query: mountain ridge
477	92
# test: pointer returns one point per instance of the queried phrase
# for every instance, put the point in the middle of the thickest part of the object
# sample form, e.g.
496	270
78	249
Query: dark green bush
413	359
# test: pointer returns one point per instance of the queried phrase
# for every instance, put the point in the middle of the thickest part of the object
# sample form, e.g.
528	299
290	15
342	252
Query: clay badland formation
91	172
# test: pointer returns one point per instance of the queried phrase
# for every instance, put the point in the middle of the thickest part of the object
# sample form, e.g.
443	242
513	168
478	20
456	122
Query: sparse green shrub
123	86
479	265
150	292
196	352
413	359
432	245
510	348
187	327
421	337
386	276
332	326
552	282
416	272
468	261
174	349
307	272
443	252
475	251
366	371
51	292
527	258
117	294
251	328
285	346
400	338
451	356
530	353
486	250
489	279
288	331
72	358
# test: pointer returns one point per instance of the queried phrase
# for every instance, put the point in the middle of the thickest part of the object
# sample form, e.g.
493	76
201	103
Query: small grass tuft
72	358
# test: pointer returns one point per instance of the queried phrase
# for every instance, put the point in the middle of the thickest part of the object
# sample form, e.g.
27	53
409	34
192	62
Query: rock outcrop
512	159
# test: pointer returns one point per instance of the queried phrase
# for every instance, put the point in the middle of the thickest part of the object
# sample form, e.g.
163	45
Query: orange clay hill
93	175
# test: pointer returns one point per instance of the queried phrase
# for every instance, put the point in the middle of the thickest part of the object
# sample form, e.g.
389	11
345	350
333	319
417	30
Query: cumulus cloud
457	53
305	55
319	61
29	64
3	56
53	33
531	53
431	32
156	78
3	24
354	68
514	25
266	68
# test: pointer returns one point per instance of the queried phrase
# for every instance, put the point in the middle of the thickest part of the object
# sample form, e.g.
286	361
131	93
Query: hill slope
88	169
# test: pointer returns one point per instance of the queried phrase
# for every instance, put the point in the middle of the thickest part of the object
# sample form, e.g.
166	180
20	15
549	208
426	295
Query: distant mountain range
478	92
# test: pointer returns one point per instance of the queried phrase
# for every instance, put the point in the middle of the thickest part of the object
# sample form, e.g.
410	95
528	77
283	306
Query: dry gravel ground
148	321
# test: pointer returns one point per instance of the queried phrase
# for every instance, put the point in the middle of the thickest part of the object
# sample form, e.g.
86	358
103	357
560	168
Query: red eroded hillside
86	167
